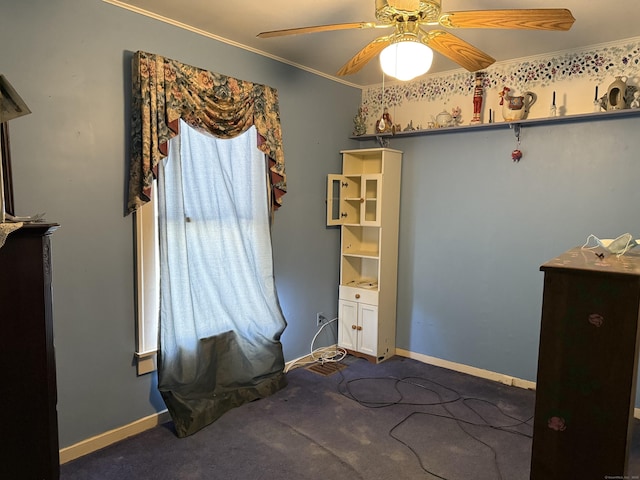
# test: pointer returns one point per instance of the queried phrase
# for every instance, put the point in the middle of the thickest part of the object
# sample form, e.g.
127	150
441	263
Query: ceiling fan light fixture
406	59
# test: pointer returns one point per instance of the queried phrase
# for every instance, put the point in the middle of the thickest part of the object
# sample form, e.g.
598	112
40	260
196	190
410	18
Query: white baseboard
112	436
460	367
105	439
298	362
477	372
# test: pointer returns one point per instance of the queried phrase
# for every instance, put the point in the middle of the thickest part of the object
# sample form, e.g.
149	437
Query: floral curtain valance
165	90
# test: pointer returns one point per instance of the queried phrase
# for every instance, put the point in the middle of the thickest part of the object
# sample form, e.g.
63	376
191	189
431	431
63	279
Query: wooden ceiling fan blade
320	28
519	19
456	49
363	57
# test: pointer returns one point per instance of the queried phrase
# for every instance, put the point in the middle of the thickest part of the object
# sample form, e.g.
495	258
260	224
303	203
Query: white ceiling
239	21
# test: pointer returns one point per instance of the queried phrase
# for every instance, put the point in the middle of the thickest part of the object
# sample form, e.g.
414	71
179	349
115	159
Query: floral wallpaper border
597	63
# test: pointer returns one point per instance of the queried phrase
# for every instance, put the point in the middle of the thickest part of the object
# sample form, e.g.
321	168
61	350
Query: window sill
146	362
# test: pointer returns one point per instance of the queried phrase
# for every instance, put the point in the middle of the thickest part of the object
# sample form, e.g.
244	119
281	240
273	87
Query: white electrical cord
322	354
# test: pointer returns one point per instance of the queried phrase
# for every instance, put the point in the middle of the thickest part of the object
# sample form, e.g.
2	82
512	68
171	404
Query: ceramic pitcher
516	107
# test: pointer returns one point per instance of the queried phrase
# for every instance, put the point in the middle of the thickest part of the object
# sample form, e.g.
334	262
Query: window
147	286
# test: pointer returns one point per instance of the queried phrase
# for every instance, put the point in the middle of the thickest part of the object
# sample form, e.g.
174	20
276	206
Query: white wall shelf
581	117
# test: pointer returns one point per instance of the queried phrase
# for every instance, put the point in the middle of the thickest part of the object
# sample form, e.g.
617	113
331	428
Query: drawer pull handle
359	328
353	327
357	295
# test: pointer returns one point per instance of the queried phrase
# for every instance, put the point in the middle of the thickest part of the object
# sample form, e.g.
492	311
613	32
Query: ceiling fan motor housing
391	11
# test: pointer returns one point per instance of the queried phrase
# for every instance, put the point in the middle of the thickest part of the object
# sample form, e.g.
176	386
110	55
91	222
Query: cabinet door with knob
358	325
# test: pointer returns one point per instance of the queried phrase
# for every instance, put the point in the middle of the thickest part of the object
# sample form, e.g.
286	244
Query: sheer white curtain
220	320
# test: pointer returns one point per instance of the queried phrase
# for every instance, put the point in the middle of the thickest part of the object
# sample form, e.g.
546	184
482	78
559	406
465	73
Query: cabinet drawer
359	294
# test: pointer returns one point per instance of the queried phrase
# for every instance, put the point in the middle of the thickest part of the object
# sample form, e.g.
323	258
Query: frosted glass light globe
406	60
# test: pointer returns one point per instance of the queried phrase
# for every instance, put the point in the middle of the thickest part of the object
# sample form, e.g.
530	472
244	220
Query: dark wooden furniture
586	385
5	164
28	415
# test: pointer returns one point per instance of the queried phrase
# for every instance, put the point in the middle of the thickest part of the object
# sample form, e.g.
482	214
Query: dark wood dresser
28	415
588	355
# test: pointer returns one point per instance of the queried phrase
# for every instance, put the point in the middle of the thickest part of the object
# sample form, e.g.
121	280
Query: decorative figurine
456	115
409	127
478	97
384	125
635	103
359	123
516	108
603	102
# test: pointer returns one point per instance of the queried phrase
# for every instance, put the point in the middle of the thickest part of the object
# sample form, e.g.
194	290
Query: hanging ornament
516	155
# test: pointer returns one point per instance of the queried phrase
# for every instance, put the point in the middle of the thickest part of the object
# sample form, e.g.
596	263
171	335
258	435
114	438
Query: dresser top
596	260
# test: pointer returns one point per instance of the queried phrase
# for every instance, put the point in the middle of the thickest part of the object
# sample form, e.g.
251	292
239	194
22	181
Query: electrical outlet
320	319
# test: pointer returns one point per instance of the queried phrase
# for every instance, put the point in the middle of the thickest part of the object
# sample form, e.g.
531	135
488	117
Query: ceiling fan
409	17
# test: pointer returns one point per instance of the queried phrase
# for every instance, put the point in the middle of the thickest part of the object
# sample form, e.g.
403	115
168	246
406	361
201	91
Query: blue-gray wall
474	226
70	62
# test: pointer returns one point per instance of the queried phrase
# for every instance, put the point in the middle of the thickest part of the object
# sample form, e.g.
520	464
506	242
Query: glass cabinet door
344	199
371	203
333	200
354	199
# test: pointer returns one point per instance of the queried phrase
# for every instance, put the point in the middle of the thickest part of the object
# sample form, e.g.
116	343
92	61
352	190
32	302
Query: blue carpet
400	420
